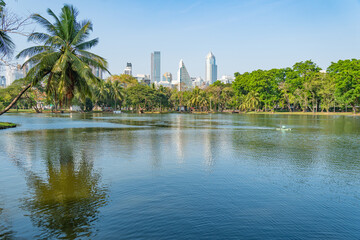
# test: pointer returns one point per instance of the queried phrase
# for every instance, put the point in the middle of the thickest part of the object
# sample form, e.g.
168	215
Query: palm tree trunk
15	99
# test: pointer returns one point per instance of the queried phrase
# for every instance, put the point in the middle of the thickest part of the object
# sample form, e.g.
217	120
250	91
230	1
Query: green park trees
62	75
346	74
303	87
62	61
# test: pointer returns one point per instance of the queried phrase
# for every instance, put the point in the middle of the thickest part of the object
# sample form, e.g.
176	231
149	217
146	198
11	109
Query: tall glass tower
155	67
128	69
183	77
210	69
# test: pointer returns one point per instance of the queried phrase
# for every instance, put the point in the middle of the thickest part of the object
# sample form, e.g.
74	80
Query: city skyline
245	35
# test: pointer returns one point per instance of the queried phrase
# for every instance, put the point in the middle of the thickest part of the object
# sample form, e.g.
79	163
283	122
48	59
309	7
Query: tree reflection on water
64	202
5	226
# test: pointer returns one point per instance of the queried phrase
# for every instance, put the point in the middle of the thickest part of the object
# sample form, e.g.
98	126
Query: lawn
4	125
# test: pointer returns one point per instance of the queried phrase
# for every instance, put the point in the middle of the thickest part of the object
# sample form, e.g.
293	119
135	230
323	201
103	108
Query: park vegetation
302	88
62	76
5	125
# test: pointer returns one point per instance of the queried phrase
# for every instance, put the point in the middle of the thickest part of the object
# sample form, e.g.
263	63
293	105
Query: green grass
5	125
21	111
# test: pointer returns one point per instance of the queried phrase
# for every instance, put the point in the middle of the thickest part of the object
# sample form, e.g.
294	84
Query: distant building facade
97	72
167	77
13	73
143	78
210	69
128	69
184	80
164	84
27	66
198	82
227	79
155	67
2	82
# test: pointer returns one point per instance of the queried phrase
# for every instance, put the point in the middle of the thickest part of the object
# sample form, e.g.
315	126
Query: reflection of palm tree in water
66	202
5	226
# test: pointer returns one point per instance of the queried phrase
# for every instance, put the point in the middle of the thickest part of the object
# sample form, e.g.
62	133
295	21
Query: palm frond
82	34
7	46
88	44
83	69
101	61
37	73
44	22
31	51
39	37
57	23
55	41
49	57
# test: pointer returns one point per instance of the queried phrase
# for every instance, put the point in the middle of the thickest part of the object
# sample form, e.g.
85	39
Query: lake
179	176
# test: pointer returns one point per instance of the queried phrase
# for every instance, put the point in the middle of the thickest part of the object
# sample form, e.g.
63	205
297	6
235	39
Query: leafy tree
63	57
124	79
346	74
327	92
7	45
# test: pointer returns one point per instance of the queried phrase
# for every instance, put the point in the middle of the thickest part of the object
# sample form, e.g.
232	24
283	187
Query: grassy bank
309	113
22	111
5	125
202	112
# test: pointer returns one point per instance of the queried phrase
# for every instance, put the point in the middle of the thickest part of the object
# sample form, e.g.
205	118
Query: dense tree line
304	87
300	88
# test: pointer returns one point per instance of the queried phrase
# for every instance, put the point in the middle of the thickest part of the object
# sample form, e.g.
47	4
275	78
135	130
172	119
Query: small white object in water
283	128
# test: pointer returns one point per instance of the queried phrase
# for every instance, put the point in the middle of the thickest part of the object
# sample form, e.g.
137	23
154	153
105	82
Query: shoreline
204	112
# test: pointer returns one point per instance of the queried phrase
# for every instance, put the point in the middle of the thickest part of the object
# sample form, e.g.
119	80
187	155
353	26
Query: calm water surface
179	176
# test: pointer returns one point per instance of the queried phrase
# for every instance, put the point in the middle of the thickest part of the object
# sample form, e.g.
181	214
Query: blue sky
244	35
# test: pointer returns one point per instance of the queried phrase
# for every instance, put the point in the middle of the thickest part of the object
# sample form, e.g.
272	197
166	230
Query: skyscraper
155	67
2	82
128	69
210	69
26	68
13	73
167	77
97	72
183	77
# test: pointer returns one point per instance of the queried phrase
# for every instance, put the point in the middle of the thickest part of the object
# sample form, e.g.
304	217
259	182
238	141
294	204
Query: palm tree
6	44
195	98
242	103
203	101
63	57
253	100
117	92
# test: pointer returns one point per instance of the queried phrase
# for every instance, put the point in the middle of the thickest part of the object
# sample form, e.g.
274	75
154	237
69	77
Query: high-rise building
155	67
210	69
226	79
97	72
26	68
143	78
128	69
198	82
167	77
13	73
184	79
2	82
